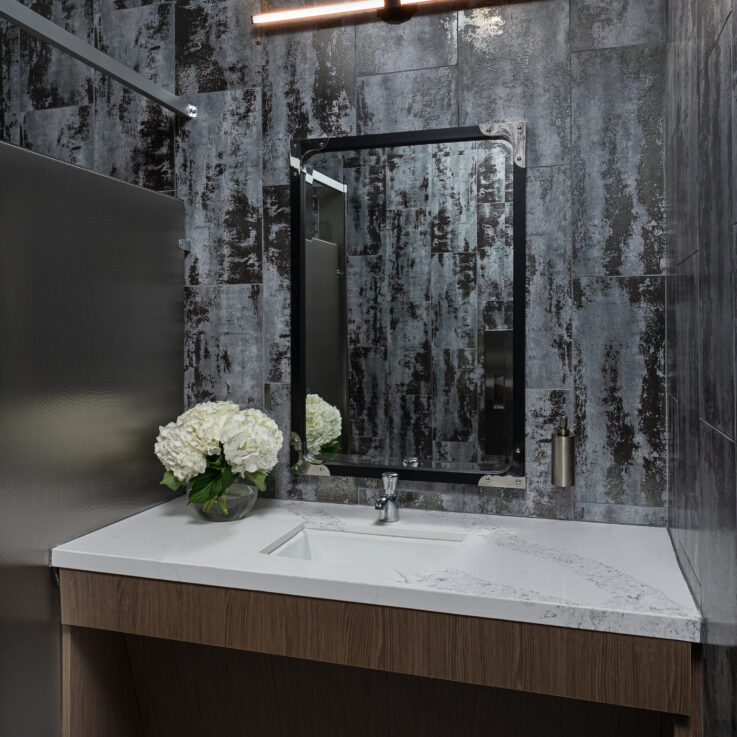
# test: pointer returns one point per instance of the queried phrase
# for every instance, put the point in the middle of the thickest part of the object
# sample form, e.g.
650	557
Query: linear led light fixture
392	10
37	25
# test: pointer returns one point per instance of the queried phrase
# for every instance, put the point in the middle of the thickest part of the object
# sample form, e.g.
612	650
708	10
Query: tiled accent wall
700	297
587	77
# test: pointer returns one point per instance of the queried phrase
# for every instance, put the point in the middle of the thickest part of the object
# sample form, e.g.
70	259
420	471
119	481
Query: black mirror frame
301	151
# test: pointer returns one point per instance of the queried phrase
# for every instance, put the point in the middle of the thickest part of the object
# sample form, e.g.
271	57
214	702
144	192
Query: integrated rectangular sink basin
369	549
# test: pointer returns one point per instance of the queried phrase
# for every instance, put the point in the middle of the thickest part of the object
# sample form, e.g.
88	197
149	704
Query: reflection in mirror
409	270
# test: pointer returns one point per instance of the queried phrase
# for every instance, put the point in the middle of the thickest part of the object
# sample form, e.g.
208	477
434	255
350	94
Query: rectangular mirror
409	304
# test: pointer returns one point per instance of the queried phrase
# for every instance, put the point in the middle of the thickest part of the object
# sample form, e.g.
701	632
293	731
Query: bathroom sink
369	549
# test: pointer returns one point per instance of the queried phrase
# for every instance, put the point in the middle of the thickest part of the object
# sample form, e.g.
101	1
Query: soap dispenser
563	466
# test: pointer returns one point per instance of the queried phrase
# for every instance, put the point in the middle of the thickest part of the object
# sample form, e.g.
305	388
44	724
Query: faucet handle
389	480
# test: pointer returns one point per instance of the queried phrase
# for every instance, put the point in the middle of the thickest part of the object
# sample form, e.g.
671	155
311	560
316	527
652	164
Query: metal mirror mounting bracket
297	158
305	464
515	133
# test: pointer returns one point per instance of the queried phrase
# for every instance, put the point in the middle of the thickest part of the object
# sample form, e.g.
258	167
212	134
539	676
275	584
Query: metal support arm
37	25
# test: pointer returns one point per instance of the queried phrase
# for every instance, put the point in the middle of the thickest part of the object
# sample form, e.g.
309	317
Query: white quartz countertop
585	575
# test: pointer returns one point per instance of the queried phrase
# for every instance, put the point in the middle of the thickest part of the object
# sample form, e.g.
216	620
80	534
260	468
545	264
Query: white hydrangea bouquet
210	444
323	427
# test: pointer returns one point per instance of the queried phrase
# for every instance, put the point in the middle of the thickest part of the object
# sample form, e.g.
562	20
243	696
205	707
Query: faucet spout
386	504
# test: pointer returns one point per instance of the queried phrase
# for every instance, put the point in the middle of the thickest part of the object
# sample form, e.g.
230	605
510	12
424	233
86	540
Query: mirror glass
408	305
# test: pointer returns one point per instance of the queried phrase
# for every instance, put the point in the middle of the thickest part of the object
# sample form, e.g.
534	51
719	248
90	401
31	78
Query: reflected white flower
323	423
251	442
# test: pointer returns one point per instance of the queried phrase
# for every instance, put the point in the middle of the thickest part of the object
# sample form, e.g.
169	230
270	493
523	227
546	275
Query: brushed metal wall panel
91	355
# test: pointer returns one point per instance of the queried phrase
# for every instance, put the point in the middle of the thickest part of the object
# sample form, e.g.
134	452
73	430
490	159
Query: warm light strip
278	16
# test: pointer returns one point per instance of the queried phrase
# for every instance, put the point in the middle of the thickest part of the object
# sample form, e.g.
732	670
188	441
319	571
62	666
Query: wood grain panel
624	670
197	691
98	694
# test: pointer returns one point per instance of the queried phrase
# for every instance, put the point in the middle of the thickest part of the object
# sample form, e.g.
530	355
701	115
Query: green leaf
227	477
171	481
331	449
259	479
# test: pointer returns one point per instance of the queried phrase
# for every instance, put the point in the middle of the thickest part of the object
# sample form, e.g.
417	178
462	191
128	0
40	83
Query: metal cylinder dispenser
563	466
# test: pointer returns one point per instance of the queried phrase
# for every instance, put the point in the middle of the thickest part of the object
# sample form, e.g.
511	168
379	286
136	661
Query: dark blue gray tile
51	78
218	165
309	91
718	537
514	63
617	161
402	101
64	133
218	48
223	356
549	297
277	283
716	254
598	24
429	39
9	83
542	413
134	137
620	390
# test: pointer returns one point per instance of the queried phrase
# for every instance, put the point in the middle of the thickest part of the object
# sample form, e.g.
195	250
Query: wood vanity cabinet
159	658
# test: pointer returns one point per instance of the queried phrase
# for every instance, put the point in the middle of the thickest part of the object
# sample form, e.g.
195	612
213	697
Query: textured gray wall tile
408	174
514	65
277	283
482	500
549	298
716	254
598	24
456	389
416	495
365	206
134	137
367	391
718	537
410	426
618	337
408	255
223	355
64	133
9	83
454	302
366	300
414	100
542	413
218	165
218	47
309	91
720	691
617	161
49	77
429	39
278	405
621	514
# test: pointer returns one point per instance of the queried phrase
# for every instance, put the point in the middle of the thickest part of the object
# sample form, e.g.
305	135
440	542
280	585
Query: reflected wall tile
134	137
598	24
309	91
410	324
218	160
9	83
410	426
620	390
617	161
277	283
716	254
524	48
413	100
365	207
408	255
542	413
218	47
408	175
64	133
549	297
366	300
493	171
223	356
454	301
718	537
50	78
455	401
710	17
409	371
367	391
430	40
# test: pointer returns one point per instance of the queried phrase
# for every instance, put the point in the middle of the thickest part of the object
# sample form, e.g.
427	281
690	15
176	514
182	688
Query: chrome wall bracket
514	132
306	465
494	481
44	29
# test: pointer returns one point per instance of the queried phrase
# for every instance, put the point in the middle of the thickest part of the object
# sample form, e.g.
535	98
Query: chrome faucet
387	502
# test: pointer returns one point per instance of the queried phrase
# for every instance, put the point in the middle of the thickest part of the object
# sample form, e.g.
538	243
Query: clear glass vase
237	501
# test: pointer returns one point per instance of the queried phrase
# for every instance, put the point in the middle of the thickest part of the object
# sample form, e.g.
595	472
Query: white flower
251	442
206	421
323	423
178	450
